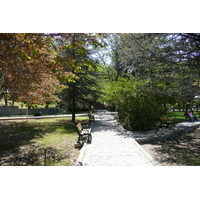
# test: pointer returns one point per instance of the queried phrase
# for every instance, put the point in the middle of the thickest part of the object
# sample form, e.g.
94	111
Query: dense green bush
140	112
139	107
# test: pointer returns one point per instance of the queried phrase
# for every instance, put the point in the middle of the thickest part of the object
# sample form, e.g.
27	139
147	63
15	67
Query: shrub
139	107
140	112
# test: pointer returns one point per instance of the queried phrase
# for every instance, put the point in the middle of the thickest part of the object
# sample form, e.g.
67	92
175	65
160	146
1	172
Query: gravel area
112	146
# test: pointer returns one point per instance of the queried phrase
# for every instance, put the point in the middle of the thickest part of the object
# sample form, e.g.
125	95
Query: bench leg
89	139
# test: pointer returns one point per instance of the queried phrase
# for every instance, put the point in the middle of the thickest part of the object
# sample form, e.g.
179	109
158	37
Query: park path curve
110	147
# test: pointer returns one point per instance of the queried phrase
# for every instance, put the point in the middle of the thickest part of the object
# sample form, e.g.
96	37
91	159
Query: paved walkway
110	147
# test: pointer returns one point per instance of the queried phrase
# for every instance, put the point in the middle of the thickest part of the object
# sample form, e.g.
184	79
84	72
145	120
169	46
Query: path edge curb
181	131
152	161
81	155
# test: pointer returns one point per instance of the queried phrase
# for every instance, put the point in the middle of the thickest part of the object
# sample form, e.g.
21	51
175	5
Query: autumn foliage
31	69
26	66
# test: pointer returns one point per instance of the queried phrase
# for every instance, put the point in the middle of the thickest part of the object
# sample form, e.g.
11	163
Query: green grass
195	161
39	142
179	116
188	160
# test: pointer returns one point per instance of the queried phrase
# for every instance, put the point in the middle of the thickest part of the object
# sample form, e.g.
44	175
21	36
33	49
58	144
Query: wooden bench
84	136
166	121
91	117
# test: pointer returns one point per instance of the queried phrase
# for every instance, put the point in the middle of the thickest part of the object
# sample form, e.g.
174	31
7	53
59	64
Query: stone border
81	155
146	154
180	131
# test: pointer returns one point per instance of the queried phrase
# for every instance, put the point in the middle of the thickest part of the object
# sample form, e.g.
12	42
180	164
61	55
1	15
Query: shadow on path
112	147
179	150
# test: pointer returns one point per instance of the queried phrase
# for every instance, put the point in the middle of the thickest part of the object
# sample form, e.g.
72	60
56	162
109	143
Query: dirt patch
178	151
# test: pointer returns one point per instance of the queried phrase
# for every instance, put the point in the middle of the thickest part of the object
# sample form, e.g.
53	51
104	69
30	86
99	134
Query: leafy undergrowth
38	142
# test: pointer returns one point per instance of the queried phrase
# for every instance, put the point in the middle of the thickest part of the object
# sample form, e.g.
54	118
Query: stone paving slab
110	147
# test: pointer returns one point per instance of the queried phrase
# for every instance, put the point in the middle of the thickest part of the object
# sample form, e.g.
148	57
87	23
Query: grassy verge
39	142
179	116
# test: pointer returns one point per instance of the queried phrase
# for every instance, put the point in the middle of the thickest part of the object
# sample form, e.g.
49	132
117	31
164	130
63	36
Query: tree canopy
31	69
163	68
147	71
26	68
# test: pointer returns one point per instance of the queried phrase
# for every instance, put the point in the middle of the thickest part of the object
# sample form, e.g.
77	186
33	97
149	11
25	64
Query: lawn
39	142
179	116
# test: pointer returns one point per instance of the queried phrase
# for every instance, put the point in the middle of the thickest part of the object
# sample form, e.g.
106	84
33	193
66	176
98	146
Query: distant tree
161	69
170	61
74	53
85	92
31	69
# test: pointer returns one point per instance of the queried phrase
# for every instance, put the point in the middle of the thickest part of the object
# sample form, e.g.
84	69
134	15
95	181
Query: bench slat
166	121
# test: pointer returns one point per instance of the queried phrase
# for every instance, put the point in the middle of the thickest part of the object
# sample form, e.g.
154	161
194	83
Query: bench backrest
79	126
164	118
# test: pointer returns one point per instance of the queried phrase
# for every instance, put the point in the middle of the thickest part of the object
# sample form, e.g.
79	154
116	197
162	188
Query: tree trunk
74	103
6	99
74	84
179	107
